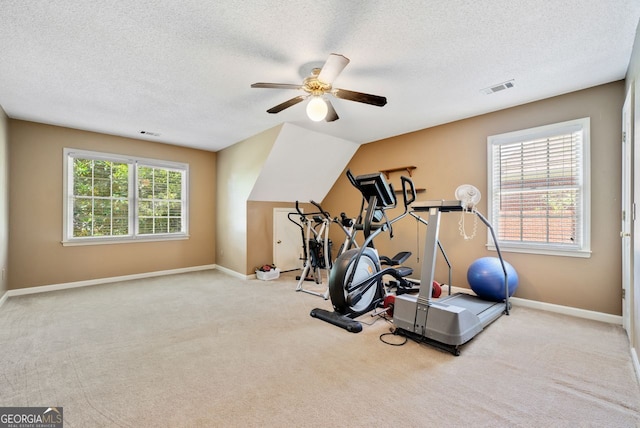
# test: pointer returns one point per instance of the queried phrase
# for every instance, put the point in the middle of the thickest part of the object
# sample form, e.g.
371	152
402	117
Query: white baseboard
550	307
567	310
234	273
87	283
3	298
636	364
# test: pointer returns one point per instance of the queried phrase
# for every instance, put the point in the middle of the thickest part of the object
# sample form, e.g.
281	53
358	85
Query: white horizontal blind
537	191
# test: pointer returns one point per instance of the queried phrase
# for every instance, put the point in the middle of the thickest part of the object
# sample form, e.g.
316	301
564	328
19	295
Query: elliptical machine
356	278
316	245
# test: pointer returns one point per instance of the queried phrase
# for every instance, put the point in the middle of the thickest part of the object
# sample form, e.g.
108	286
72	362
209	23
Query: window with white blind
112	198
539	193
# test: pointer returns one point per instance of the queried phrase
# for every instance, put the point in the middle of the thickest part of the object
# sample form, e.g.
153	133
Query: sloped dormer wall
276	167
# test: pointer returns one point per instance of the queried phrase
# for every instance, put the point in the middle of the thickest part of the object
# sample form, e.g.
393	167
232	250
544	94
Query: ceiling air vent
152	134
499	87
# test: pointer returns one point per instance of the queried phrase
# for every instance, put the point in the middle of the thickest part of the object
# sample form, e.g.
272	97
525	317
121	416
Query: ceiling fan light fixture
317	109
318	87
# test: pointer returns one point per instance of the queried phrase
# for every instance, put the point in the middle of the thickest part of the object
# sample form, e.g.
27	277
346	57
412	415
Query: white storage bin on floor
269	275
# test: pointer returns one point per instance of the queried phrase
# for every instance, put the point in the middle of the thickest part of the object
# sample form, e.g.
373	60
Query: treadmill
452	321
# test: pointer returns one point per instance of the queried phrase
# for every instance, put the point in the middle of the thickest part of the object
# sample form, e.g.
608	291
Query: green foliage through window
103	203
101	198
160	200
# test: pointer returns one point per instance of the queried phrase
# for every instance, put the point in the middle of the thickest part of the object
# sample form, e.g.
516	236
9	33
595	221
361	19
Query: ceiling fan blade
287	104
276	85
360	97
331	112
332	68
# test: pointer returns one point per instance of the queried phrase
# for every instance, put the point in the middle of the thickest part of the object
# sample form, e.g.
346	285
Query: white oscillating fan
469	195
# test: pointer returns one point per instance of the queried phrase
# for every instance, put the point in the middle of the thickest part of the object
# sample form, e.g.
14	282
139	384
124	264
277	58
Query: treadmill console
376	185
442	205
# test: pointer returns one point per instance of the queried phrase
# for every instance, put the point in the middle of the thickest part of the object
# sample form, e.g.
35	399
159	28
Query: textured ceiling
183	69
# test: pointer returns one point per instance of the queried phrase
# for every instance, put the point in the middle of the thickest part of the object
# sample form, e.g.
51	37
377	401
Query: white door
287	241
628	213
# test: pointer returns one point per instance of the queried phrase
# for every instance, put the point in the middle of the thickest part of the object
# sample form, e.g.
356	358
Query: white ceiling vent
499	87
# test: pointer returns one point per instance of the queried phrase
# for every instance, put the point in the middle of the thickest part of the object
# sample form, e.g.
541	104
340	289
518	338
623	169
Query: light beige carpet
205	349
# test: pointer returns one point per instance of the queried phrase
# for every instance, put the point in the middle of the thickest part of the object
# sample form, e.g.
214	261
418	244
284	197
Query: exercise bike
316	245
356	279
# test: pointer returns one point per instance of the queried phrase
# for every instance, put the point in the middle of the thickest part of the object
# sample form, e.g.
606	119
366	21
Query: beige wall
4	200
260	231
36	255
453	154
238	168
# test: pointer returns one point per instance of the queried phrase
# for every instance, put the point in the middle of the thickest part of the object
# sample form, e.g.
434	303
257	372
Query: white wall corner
303	165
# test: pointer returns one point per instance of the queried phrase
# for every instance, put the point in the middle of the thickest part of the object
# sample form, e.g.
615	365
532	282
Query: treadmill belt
469	302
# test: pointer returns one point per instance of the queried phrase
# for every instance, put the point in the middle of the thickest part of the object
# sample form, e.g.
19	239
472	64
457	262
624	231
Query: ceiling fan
316	86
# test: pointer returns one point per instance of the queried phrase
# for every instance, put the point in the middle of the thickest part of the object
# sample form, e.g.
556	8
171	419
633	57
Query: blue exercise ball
486	278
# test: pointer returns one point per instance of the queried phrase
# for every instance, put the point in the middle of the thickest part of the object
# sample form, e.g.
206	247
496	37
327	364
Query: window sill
542	251
128	240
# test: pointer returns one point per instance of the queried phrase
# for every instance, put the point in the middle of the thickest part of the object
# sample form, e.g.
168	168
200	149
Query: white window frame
133	236
583	248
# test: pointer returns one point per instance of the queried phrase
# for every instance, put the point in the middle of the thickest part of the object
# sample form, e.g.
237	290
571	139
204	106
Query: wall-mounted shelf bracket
388	171
418	190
